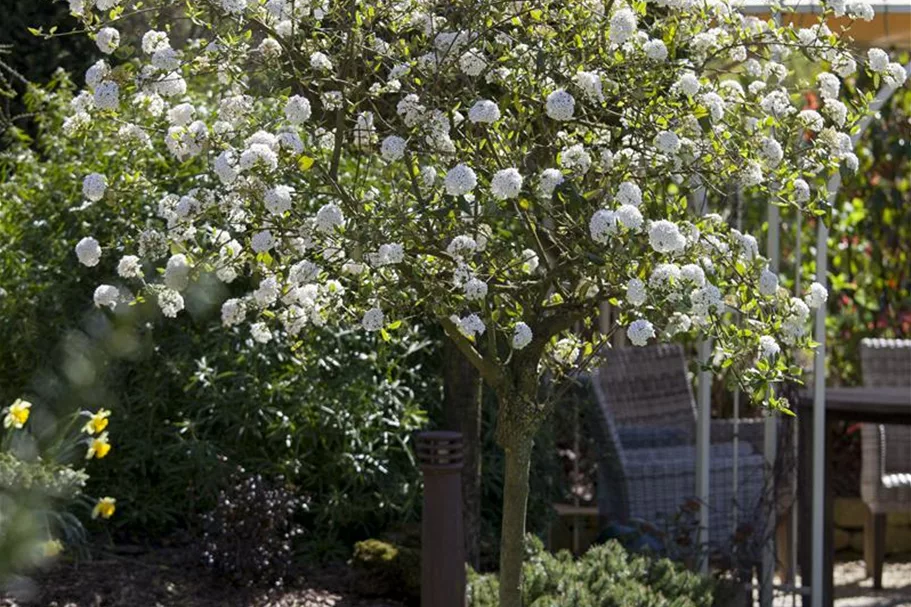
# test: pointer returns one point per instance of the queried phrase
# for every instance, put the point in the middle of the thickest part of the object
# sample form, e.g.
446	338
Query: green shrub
385	569
190	400
605	576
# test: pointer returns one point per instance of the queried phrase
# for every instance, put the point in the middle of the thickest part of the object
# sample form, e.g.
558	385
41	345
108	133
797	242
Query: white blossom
640	331
655	50
475	289
811	120
484	111
560	105
154	40
548	182
667	142
630	217
262	241
462	246
129	266
94	186
801	190
828	84
106	296
329	217
816	296
177	272
320	61
460	180
768	283
297	109
877	60
260	333
107	95
278	199
665	237
635	292
233	312
895	75
392	148
521	336
590	85
529	260
506	184
575	159
170	302
622	26
88	251
107	40
603	225
768	347
629	193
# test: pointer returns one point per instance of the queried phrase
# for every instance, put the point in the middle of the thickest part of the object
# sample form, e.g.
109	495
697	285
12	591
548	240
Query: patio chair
886	457
647	468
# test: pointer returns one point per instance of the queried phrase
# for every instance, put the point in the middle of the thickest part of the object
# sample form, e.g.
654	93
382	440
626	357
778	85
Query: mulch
174	577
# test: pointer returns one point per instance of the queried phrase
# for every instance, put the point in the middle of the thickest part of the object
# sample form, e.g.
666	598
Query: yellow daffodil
52	548
98	447
104	508
97	423
17	414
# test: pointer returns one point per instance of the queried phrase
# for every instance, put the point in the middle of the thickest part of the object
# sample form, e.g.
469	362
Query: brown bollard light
442	538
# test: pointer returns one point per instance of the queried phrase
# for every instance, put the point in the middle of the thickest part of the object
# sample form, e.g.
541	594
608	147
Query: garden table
858	404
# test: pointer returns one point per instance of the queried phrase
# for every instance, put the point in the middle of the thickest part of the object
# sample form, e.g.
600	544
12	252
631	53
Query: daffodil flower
98	447
17	414
104	508
97	423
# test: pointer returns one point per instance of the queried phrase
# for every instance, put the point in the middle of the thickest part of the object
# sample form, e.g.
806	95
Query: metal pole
703	443
769	446
819	421
442	540
699	203
770	442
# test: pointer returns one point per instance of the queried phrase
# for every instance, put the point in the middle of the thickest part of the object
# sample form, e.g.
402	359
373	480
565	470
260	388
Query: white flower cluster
475	167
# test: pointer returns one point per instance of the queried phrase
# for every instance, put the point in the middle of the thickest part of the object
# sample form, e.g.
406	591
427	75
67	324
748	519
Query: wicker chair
647	466
886	462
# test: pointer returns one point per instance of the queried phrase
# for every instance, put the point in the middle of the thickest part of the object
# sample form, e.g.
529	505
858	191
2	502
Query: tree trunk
462	403
515	503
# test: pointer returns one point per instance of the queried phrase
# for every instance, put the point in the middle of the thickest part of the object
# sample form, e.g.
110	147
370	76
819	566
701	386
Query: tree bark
462	403
515	503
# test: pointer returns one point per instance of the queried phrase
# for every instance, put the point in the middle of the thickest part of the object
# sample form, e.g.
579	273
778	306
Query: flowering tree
501	167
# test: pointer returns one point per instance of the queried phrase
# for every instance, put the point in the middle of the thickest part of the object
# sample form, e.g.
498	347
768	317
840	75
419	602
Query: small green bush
605	576
386	569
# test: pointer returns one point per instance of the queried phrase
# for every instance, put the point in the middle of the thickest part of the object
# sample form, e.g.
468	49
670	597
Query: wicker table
859	404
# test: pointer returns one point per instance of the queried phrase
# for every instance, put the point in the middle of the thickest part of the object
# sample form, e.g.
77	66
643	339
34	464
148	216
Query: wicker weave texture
886	469
648	417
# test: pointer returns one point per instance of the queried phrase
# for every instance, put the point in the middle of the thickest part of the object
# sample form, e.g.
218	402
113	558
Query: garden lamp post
442	539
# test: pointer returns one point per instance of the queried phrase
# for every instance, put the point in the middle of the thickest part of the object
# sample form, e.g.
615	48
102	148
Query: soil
174	577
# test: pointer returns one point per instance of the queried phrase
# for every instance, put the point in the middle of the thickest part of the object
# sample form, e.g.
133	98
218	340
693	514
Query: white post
770	442
703	443
819	422
698	202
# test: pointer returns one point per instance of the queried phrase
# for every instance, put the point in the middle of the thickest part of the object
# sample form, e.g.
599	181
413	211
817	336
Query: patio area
853	588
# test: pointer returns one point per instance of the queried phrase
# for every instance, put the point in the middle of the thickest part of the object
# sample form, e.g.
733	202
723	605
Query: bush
386	569
605	576
334	416
249	536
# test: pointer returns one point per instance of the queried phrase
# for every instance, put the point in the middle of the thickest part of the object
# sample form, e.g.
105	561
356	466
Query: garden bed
174	577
